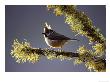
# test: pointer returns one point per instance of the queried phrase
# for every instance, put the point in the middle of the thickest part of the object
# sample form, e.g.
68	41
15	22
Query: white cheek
44	30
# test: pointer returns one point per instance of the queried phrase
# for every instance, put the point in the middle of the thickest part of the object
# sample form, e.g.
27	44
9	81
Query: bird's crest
48	26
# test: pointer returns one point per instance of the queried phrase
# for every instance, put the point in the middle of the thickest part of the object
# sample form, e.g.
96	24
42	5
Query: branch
45	52
23	52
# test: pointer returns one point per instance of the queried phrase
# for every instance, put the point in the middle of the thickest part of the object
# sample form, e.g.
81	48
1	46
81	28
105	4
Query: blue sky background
25	22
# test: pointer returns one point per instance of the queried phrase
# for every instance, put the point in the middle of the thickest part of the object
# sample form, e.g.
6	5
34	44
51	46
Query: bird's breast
55	43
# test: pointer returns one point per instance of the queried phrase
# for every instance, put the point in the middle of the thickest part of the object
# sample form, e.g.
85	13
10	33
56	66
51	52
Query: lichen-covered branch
23	52
91	61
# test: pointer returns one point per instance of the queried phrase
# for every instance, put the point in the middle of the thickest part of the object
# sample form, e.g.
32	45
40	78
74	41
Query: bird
54	39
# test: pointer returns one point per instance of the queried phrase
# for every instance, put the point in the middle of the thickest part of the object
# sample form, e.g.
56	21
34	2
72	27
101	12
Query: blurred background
25	22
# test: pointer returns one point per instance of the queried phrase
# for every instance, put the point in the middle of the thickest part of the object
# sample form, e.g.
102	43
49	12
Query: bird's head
47	29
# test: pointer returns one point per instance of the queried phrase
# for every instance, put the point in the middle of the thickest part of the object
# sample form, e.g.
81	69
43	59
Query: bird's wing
56	36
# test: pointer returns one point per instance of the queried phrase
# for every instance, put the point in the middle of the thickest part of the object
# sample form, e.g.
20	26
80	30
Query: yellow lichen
99	49
61	57
18	52
78	61
51	57
82	50
96	66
